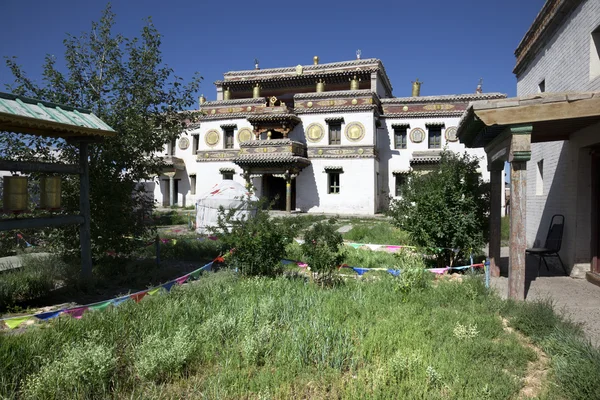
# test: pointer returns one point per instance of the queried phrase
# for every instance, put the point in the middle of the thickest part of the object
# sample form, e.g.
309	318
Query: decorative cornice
216	155
329	110
226	170
400	125
333	168
334	120
426	157
521	156
225	103
435	123
335	94
272	142
225	126
443	98
343	152
272	117
431	114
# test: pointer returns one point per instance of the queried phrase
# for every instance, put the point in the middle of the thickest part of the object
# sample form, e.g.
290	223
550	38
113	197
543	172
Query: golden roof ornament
316	60
320	86
227	94
354	83
358	54
299	69
202	99
416	88
256	91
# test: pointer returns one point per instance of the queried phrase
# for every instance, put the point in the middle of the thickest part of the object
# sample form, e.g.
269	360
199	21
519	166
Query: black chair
553	243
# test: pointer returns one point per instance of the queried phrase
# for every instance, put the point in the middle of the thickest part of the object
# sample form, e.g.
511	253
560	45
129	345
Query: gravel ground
577	299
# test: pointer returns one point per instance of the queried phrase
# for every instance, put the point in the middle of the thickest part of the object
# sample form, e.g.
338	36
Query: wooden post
518	237
172	190
495	220
84	209
288	194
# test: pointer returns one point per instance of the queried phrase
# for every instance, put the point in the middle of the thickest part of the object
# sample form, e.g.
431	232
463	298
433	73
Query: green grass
377	232
174	217
227	337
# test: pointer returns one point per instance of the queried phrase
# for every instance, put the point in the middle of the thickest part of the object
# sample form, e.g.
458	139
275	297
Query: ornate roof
443	98
426	157
342	109
335	94
270	160
421	114
21	114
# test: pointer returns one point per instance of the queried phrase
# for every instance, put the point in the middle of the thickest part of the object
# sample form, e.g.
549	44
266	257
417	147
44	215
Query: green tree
447	208
322	247
125	83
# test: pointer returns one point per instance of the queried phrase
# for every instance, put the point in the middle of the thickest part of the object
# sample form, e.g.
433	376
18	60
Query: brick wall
564	65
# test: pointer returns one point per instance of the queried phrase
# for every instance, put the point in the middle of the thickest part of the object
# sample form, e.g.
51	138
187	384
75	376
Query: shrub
255	245
84	371
447	207
321	247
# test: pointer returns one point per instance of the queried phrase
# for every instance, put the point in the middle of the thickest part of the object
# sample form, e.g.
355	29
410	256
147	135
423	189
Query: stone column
495	221
172	193
520	153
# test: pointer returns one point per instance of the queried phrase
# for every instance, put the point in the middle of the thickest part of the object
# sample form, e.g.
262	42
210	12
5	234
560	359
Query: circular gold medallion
213	111
212	137
314	132
405	108
309	104
451	134
361	151
244	135
417	135
248	108
355	131
184	143
320	152
354	101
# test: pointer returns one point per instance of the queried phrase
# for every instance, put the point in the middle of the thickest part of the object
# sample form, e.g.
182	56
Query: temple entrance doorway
273	189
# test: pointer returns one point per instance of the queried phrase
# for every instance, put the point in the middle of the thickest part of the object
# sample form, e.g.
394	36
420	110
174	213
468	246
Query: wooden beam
527	114
84	209
32	223
25	166
518	237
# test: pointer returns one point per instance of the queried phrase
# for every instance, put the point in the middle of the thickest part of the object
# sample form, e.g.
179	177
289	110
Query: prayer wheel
50	192
15	196
256	91
320	86
354	83
227	94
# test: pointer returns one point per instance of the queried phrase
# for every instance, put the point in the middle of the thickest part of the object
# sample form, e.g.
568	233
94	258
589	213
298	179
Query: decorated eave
426	157
21	114
432	106
284	153
547	22
552	116
306	74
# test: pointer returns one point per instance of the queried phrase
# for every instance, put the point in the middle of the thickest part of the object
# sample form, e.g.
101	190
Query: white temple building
320	138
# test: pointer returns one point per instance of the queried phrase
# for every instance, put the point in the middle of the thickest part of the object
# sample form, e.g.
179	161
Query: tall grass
377	233
227	337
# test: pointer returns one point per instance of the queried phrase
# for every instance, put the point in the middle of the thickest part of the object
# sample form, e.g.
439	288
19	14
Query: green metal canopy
21	114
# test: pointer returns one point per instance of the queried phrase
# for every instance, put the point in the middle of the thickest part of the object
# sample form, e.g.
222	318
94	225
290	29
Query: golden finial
316	60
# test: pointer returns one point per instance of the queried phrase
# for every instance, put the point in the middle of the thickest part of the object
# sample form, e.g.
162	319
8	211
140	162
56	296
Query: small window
539	181
192	184
195	142
400	180
595	54
228	176
542	86
400	138
333	183
335	133
229	138
435	137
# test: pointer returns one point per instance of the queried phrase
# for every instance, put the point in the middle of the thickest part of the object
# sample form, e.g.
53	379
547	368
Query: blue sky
448	45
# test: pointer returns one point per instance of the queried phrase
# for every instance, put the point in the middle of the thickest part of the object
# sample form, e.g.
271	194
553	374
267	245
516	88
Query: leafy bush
255	245
83	371
321	247
447	207
377	233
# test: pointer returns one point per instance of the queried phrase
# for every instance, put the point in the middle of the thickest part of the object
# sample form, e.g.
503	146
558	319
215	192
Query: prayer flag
395	272
167	286
207	267
100	306
119	300
12	323
183	279
154	291
196	274
360	271
137	297
77	312
48	315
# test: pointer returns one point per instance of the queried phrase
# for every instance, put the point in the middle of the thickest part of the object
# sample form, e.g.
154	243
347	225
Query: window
400	138
333	183
195	142
229	138
539	179
335	133
192	184
542	86
435	137
595	54
400	180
